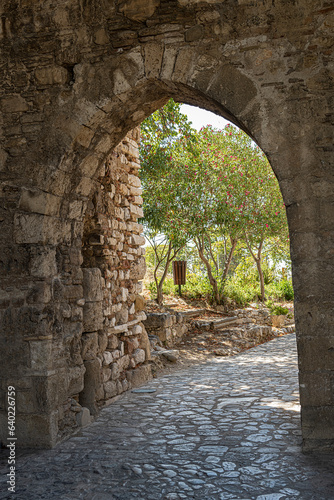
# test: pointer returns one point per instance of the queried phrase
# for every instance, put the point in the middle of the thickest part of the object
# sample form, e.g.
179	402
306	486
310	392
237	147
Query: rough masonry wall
80	340
107	357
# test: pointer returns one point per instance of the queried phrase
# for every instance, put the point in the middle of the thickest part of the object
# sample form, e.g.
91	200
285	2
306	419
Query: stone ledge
125	327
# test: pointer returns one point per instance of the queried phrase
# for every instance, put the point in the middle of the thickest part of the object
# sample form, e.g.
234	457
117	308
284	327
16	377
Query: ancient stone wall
108	356
100	347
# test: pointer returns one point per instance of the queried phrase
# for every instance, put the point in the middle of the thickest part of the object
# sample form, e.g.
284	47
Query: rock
154	340
172	355
93	317
92	284
113	342
110	389
139	303
89	346
145	344
103	341
278	321
221	352
83	418
139	375
138	269
92	381
108	357
139	356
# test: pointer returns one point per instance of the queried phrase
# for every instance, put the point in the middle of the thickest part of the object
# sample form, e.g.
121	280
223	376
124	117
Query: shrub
168	287
285	286
197	286
281	290
279	310
240	292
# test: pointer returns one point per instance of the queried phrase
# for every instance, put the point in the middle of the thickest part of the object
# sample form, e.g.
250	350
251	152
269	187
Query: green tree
207	186
165	206
254	204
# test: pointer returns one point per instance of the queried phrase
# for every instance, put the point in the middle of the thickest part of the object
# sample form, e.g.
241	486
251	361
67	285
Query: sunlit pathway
228	429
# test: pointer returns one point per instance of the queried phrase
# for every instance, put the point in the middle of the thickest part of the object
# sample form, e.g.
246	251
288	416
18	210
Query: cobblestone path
228	429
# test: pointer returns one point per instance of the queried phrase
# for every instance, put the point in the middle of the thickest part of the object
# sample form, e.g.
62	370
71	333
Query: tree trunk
212	280
259	269
234	242
160	297
257	259
159	284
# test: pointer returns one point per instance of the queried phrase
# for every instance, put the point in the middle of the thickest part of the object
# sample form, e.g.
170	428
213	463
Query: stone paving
228	429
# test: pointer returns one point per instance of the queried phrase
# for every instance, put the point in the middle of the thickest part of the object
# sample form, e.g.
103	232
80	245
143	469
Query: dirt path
202	343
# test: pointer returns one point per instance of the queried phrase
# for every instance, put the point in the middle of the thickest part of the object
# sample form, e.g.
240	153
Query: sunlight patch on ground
285	405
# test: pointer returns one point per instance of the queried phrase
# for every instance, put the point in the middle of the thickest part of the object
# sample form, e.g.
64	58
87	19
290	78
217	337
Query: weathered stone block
158	320
50	75
137	240
139	356
90	346
39	202
145	344
194	33
43	262
37	431
26	402
92	289
139	303
139	375
102	341
153	59
92	382
122	316
83	417
108	358
113	342
40	354
138	10
93	317
76	379
41	229
14	104
39	293
110	389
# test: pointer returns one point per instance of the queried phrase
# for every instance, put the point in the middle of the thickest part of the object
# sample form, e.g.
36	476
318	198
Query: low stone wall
259	316
168	327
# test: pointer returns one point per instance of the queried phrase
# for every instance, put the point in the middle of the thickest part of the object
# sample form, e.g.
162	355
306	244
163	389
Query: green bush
197	286
268	275
240	292
281	290
273	291
168	287
286	289
278	310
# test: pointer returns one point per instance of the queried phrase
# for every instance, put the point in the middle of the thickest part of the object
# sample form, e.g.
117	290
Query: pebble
228	429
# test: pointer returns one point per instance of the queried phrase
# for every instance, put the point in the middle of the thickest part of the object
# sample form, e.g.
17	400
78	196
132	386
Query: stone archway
77	78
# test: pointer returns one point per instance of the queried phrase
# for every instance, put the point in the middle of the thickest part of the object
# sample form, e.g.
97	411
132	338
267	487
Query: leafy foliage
216	188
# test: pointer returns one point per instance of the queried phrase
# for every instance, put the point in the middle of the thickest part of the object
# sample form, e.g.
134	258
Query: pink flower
267	225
